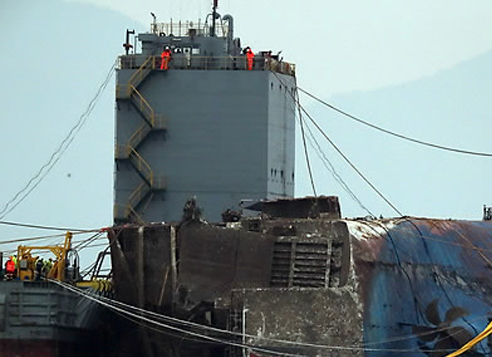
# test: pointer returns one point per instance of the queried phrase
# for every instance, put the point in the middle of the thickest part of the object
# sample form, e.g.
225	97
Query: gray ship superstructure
208	127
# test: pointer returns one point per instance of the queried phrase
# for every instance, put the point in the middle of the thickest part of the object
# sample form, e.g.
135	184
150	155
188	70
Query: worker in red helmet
165	58
250	55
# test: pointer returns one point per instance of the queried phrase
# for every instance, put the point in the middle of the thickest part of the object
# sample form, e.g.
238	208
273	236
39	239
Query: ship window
279	86
282	174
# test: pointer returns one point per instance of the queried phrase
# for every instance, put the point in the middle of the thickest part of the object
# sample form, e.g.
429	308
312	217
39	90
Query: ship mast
214	15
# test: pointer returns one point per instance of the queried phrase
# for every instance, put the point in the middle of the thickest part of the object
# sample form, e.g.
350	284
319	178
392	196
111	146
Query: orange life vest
10	266
250	55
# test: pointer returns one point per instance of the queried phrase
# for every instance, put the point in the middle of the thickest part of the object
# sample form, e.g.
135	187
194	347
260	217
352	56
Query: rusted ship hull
327	286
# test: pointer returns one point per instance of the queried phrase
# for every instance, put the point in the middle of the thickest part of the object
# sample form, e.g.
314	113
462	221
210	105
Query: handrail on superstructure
142	165
135	213
139	75
129	151
137	195
144	106
183	28
194	62
139	135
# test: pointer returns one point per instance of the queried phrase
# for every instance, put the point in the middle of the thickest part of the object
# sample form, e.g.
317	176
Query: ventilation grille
301	264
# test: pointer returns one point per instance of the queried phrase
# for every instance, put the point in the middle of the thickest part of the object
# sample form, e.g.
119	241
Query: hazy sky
347	45
375	58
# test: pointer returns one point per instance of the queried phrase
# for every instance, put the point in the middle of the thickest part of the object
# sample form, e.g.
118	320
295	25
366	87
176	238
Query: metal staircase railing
124	91
129	151
139	136
133	215
128	91
121	152
136	197
143	71
134	200
141	166
142	105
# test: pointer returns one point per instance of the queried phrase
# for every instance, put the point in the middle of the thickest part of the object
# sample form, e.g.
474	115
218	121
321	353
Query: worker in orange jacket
250	55
165	58
10	268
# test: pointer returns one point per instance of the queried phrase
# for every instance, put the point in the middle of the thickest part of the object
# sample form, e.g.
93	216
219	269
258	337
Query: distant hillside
451	108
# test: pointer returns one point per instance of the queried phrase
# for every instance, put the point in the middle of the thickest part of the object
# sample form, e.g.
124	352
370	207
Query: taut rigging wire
316	146
329	166
392	133
366	180
27	239
306	154
49	228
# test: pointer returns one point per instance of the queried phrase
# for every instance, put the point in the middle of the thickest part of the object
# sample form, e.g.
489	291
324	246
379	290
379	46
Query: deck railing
194	62
184	28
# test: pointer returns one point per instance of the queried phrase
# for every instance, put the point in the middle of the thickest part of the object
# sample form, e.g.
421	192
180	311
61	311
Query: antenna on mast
214	15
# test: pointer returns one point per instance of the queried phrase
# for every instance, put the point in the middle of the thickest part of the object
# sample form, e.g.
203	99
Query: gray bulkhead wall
222	140
281	136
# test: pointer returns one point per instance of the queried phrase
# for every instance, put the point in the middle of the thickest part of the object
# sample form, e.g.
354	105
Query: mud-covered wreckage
300	273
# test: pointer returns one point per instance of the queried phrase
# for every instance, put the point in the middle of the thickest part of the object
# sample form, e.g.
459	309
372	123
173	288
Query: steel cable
392	133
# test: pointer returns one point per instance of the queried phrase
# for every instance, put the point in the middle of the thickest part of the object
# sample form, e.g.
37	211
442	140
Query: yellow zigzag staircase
152	121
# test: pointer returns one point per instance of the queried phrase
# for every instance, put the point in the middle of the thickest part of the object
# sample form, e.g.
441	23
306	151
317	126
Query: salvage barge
39	318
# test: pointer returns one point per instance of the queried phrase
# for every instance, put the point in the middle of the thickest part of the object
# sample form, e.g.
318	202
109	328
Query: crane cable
392	133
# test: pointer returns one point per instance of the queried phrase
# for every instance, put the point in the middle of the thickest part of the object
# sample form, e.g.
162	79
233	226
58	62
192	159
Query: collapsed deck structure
301	280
